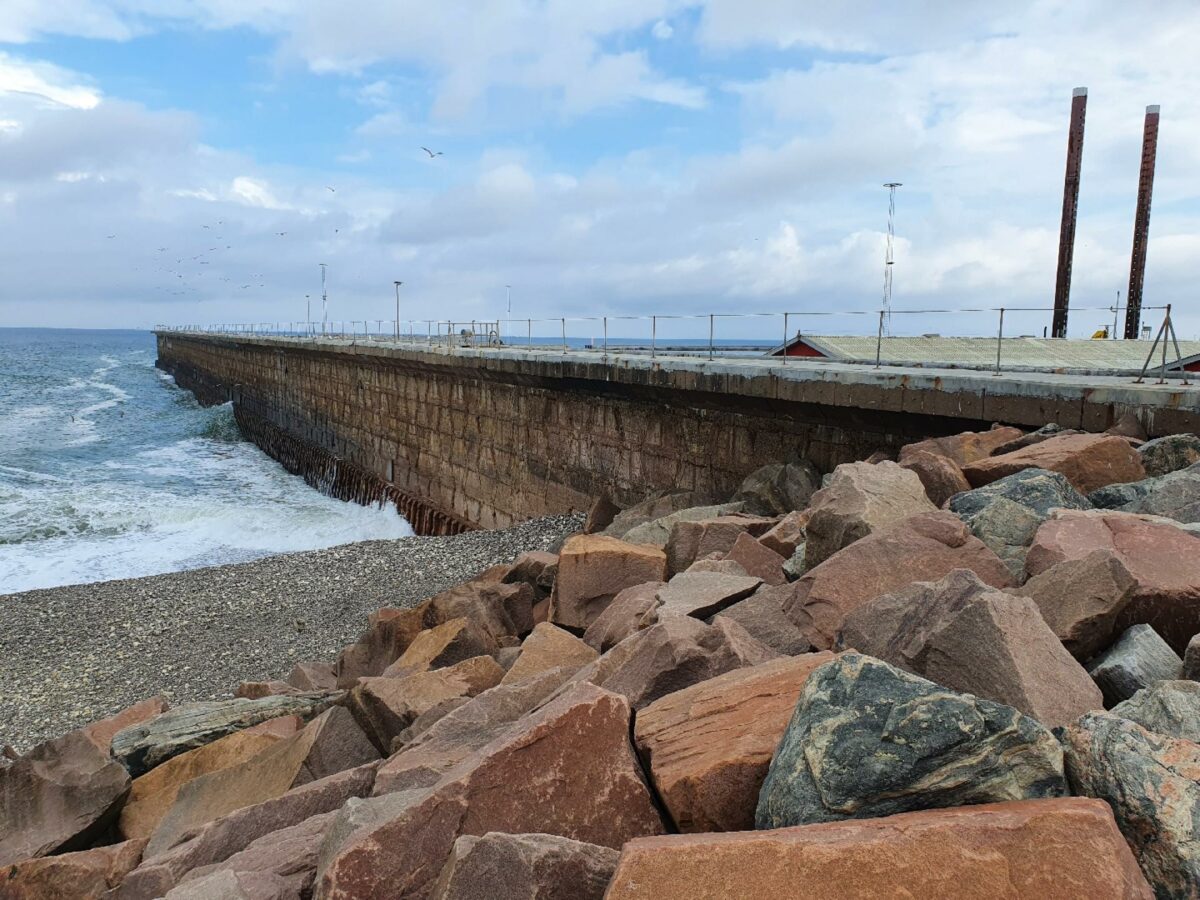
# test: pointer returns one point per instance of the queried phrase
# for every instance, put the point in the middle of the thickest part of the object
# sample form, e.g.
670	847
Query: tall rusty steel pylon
1070	210
1141	226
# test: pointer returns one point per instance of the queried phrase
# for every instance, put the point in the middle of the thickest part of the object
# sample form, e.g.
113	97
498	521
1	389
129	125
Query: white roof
1033	353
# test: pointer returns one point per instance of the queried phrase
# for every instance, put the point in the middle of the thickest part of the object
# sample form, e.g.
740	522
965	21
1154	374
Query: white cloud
662	30
43	82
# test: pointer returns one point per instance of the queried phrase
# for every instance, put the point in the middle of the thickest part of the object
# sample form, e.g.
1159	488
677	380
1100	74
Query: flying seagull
331	190
431	153
281	233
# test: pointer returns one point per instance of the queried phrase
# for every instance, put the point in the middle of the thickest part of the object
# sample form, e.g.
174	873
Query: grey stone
1152	783
143	746
761	614
797	565
1006	514
1138	659
1170	453
867	739
653	508
657	531
1172	496
1038	490
1167	707
1191	659
779	488
525	867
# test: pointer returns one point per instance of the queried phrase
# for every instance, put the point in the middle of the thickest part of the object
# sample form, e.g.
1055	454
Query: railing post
529	332
785	338
710	336
606	338
999	341
1162	372
564	335
879	341
654	337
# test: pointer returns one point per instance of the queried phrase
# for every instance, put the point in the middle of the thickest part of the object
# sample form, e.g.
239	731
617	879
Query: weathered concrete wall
488	439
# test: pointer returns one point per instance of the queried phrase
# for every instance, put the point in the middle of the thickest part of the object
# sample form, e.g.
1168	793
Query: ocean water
108	470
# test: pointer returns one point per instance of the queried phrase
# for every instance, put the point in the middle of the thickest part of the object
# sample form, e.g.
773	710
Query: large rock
502	609
1081	599
677	652
923	548
707	747
970	637
700	595
224	837
536	568
388	634
658	531
549	647
593	569
525	867
787	534
623	616
1138	660
1060	848
779	488
464	730
443	645
154	793
327	745
102	732
1152	783
567	769
384	706
80	875
761	614
867	739
1173	496
860	498
313	676
1047	431
1164	560
1006	514
1089	461
58	797
757	559
288	855
940	475
143	746
965	447
1169	454
654	508
227	885
1191	659
1166	707
692	540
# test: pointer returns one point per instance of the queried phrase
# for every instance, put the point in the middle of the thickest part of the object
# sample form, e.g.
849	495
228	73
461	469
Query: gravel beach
78	653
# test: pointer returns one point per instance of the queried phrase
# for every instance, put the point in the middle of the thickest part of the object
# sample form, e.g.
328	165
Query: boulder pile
966	673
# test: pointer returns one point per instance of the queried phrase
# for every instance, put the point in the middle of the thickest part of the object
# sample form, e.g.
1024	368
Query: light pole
397	284
324	300
509	288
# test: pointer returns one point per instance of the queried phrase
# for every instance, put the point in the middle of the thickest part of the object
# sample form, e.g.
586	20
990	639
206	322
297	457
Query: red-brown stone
1089	461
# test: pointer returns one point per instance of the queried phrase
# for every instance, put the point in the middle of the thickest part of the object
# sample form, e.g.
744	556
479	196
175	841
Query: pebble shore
77	653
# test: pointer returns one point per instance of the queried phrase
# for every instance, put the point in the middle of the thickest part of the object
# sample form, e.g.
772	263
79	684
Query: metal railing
564	334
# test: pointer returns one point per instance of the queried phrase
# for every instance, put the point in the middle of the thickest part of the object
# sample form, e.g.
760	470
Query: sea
109	470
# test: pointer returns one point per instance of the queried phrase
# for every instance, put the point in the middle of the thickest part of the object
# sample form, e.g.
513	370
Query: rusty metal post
654	337
879	340
1141	226
785	338
1070	209
710	336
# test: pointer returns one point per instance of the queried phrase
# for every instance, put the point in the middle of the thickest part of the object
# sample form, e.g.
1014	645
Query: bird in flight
111	236
431	153
331	190
281	233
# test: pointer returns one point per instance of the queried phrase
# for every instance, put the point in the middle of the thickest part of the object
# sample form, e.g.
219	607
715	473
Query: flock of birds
179	275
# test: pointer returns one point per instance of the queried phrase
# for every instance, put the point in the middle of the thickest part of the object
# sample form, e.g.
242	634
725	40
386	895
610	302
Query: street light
397	284
324	300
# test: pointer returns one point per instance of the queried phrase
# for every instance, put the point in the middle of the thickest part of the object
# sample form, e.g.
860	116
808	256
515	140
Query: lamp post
397	284
324	300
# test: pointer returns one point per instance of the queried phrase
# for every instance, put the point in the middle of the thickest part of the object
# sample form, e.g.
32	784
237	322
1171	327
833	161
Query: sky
194	161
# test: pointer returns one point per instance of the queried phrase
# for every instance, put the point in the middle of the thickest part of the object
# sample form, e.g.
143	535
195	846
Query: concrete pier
484	437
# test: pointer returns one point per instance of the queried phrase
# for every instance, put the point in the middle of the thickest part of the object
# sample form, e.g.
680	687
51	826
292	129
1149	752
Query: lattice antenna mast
888	259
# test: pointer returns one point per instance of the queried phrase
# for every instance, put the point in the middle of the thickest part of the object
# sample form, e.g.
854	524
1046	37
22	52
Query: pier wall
484	439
